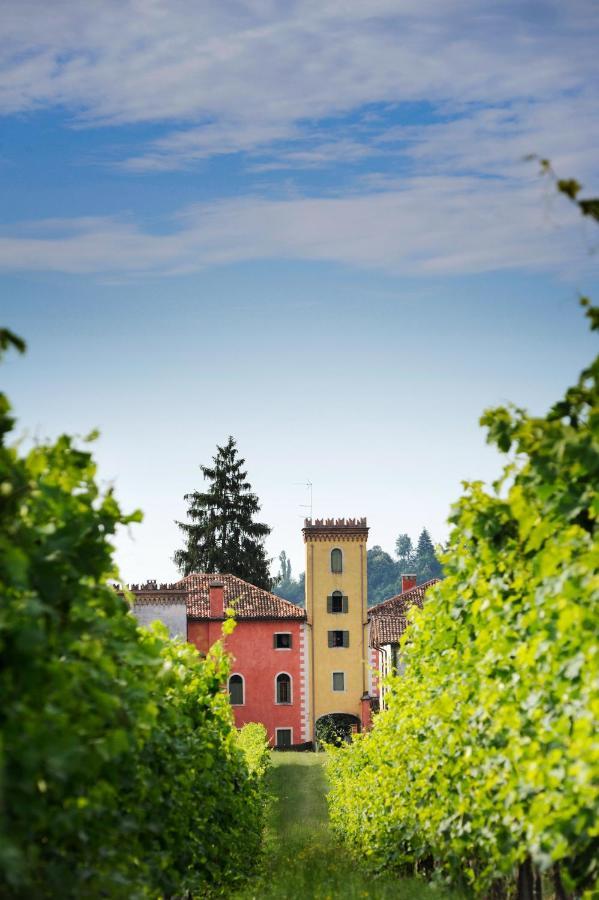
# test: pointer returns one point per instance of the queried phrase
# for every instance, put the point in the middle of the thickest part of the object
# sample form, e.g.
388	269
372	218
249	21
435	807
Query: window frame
283	702
276	635
333	688
236	675
341	631
335	550
337	595
283	728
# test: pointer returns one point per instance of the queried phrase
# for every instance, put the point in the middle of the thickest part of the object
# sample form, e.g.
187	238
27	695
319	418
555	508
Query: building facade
268	647
291	667
336	610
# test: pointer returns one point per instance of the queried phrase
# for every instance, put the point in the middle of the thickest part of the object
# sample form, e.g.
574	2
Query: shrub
120	773
252	740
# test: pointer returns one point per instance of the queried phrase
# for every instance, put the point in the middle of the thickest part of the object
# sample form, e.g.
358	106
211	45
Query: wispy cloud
233	77
438	225
313	85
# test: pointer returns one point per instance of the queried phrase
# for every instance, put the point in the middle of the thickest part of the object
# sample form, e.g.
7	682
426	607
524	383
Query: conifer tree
427	565
222	535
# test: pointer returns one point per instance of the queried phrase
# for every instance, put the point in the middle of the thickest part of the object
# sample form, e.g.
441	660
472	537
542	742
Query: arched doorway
335	728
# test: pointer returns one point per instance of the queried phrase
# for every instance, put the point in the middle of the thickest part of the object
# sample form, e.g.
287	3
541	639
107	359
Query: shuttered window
283	737
338	638
337	603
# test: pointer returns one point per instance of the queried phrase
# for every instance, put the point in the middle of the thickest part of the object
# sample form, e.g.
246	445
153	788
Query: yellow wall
320	583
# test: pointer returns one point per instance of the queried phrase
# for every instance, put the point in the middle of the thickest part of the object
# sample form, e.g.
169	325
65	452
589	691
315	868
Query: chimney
407	583
217	599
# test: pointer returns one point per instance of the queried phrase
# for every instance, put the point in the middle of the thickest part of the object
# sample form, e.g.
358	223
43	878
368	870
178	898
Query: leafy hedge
120	773
252	740
485	767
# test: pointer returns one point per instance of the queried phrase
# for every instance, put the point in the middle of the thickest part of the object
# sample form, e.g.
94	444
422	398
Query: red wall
254	657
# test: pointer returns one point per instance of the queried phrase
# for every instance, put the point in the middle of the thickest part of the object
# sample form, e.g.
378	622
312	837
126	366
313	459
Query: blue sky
309	225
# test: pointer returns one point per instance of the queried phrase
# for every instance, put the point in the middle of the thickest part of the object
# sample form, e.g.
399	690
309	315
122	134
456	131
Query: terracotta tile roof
387	629
251	602
388	619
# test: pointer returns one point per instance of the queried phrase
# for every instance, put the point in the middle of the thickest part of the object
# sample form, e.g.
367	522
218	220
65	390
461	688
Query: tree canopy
287	587
223	535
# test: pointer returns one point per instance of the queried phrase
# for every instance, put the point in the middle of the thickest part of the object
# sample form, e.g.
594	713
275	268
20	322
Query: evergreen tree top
223	535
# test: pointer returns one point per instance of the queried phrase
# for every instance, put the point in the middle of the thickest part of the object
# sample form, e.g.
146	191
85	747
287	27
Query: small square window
282	641
283	737
338	681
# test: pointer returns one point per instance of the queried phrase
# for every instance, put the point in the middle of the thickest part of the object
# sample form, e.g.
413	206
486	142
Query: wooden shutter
346	638
331	635
274	641
344	604
329	604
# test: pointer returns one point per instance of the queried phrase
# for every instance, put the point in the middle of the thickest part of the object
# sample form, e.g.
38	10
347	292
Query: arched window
283	688
337	602
236	690
336	560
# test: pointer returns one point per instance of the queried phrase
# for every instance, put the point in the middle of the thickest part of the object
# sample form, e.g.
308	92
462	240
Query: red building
268	681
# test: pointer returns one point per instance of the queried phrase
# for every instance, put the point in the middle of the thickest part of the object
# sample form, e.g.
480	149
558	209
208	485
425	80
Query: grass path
302	861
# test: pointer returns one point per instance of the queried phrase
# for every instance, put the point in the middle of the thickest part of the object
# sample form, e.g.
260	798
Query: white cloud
233	76
437	225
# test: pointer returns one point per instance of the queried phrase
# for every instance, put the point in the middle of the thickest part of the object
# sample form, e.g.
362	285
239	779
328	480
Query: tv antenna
307	484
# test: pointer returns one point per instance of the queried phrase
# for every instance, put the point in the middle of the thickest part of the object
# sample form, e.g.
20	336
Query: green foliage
288	587
223	536
120	774
426	564
384	573
487	755
252	740
405	553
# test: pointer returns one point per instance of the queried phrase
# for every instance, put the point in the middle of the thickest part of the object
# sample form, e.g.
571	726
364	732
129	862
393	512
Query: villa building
291	666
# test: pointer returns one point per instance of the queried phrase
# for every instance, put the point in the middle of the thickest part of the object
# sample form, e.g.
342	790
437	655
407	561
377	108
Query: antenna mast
307	484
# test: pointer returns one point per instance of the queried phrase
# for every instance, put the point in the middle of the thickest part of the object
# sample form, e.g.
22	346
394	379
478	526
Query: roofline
221	576
198	618
404	594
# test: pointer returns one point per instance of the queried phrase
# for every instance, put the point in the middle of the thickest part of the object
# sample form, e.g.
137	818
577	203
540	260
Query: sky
309	225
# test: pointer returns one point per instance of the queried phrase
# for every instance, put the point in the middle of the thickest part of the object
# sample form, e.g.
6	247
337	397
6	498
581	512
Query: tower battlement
318	529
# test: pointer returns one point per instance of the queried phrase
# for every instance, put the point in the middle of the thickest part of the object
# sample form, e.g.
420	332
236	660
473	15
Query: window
338	638
282	640
337	603
283	737
236	690
336	561
338	681
283	688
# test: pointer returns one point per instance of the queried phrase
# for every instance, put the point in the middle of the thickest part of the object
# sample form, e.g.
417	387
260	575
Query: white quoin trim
306	731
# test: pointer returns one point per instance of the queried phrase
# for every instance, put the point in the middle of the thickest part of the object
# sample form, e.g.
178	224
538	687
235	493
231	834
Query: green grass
302	860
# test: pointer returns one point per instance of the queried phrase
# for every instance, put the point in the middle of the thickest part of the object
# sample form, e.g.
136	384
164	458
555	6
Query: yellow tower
336	607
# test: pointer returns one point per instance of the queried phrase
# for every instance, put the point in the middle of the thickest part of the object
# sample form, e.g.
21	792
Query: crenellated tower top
335	529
